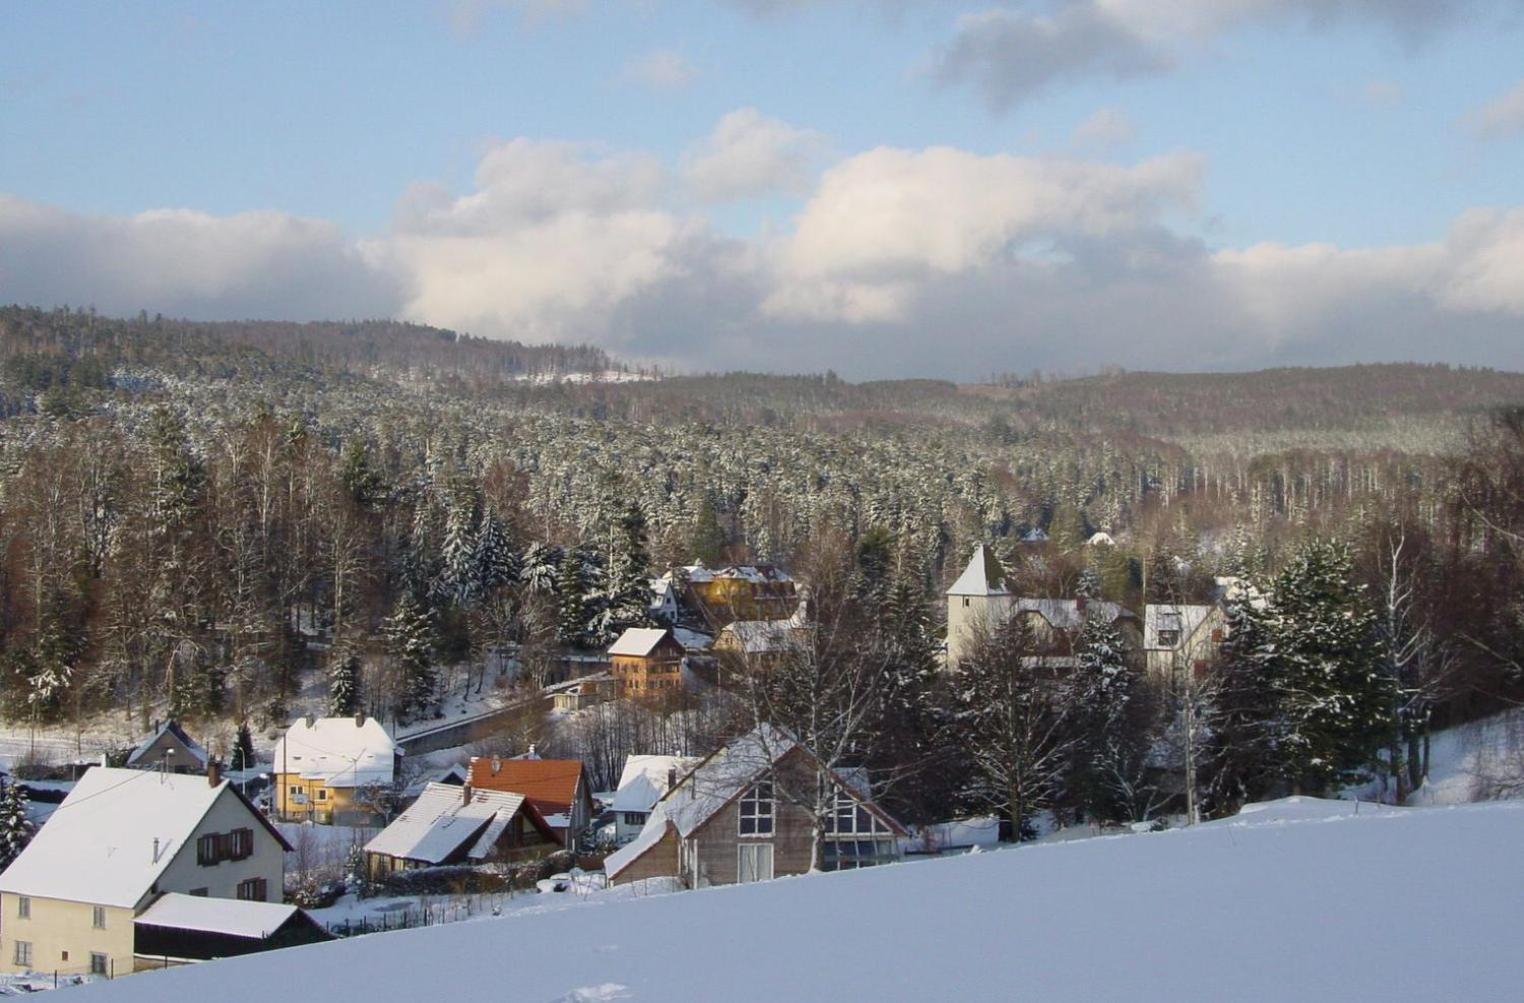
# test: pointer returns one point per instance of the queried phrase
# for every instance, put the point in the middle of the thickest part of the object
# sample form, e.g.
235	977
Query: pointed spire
983	577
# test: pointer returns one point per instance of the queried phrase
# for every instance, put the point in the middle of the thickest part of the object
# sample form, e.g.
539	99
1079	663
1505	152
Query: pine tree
243	748
16	830
410	640
1244	720
364	484
457	574
492	560
344	682
1335	697
625	598
1107	754
571	603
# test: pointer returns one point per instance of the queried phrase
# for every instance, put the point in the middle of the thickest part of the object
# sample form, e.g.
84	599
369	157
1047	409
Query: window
965	602
98	917
23	953
294	790
252	890
1217	635
63	955
24	907
754	862
1168	638
852	818
98	963
215	847
850	854
634	818
757	810
322	794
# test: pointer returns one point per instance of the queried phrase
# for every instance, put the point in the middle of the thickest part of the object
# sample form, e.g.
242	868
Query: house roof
692	640
230	917
757	574
639	642
442	820
760	636
1169	616
1066	614
98	845
550	784
983	577
172	728
337	751
644	780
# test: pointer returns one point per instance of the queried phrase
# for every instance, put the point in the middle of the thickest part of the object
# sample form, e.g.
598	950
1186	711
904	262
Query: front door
755	863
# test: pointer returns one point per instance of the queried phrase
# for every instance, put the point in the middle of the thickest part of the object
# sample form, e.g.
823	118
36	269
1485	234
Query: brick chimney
213	773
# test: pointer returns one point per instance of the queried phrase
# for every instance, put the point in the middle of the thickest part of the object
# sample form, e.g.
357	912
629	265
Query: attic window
1169	638
757	810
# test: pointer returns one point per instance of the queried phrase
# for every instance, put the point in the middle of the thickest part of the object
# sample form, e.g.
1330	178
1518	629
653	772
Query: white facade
977	601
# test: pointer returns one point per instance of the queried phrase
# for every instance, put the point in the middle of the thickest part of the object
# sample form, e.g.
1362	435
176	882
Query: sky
886	188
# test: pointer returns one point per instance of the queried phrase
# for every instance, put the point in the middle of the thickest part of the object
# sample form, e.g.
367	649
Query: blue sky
1379	132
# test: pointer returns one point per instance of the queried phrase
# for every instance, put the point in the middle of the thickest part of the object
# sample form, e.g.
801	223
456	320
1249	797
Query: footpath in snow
1296	899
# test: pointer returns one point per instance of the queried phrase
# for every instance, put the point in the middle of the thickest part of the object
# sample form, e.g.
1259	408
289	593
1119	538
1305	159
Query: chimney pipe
156	849
359	719
671	777
213	773
465	794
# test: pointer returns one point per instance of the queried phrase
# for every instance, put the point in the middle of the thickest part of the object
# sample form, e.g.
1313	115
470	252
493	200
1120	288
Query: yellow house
119	842
326	767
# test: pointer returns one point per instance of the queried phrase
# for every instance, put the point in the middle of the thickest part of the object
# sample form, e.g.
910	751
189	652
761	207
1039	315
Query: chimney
671	777
311	720
465	794
359	719
156	849
497	764
213	773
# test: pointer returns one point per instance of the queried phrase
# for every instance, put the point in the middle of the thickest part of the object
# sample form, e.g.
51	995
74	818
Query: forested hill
1292	398
43	339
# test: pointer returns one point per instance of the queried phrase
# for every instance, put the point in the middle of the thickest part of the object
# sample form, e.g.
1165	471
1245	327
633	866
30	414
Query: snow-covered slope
1476	761
1297	899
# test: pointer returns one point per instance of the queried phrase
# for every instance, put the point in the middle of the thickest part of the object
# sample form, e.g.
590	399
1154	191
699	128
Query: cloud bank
930	261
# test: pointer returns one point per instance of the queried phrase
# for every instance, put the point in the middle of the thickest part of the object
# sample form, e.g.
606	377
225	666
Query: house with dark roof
170	748
557	788
179	929
742	815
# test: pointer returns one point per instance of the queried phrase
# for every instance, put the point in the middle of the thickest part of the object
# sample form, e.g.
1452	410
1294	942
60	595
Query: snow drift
1296	899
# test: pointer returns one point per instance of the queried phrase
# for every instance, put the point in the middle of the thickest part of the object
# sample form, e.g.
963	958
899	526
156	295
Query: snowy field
1297	899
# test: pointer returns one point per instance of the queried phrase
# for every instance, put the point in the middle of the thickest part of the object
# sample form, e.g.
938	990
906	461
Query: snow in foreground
1297	899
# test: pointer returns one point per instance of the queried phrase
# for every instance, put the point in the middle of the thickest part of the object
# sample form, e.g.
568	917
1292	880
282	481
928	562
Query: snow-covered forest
200	519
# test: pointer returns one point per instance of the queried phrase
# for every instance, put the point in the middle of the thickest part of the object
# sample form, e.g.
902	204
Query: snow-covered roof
1066	614
98	845
638	642
644	780
442	820
982	577
692	640
1168	616
757	574
756	637
1101	539
337	751
172	727
233	917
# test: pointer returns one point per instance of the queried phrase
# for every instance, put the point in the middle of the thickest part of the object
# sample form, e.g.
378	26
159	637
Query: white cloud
934	261
1500	118
661	70
749	154
176	261
1103	129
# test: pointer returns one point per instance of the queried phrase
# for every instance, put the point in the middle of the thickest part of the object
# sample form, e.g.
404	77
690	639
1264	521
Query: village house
647	662
1181	638
981	600
644	781
557	788
117	844
734	592
460	825
763	642
587	692
741	815
179	929
168	747
328	770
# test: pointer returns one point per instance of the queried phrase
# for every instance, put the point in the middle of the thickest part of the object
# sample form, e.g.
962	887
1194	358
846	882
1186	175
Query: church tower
978	600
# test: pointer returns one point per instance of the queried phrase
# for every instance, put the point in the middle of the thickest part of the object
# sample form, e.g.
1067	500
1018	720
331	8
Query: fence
426	913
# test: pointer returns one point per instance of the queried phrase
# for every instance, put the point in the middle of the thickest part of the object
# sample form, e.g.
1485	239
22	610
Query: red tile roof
549	784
